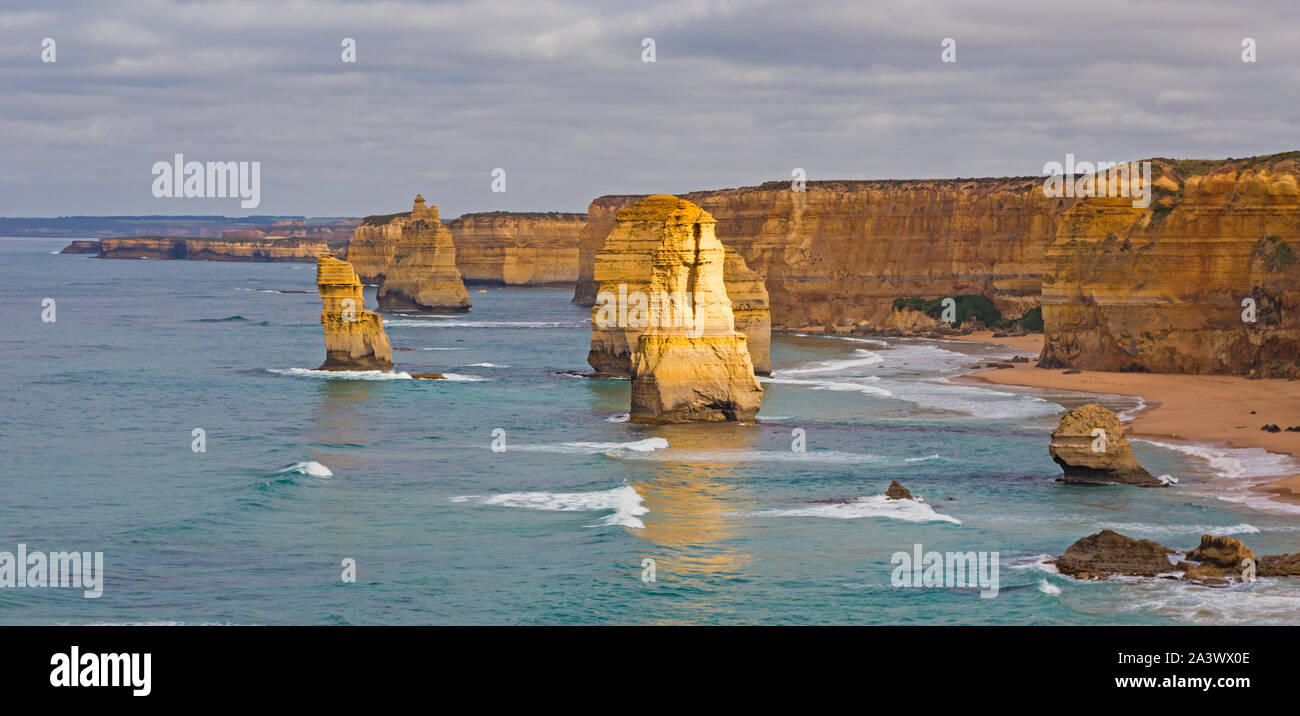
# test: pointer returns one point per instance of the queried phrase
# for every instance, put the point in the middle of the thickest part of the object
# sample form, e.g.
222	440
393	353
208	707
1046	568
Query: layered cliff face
507	248
690	363
619	271
373	244
518	249
1171	288
354	337
423	274
840	252
301	250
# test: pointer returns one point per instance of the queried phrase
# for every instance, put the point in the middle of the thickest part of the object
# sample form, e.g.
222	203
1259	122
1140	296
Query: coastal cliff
690	363
422	274
841	252
302	250
506	248
354	337
1204	280
518	249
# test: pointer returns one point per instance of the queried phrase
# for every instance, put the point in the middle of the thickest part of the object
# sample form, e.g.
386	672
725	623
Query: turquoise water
99	409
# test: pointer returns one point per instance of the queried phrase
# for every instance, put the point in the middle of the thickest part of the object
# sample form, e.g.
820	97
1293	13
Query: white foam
838	386
485	365
1236	462
975	401
866	358
309	467
457	323
620	418
873	506
458	377
1046	588
624	501
764	456
593	448
341	374
1128	528
1039	562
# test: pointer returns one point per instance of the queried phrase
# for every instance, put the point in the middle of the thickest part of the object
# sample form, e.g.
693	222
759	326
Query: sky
557	94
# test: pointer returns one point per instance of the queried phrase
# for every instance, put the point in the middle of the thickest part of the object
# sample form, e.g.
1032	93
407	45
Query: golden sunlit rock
354	337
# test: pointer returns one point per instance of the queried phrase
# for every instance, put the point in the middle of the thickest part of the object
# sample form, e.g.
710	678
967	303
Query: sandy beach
1228	410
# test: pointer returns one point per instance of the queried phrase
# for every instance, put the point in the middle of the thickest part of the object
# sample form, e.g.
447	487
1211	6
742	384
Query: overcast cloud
555	92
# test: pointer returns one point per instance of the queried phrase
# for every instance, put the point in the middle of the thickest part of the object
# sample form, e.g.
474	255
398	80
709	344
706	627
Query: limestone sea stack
620	271
690	364
1090	446
354	337
423	273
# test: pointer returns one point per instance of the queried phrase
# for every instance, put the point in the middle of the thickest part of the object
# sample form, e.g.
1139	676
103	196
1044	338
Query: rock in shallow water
896	491
1090	446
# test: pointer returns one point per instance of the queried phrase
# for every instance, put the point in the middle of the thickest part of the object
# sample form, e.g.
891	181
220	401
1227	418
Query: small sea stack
1090	446
896	491
423	275
354	337
690	363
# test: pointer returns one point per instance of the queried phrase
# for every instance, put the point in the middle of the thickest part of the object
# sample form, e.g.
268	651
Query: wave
836	457
624	501
220	320
458	323
1047	588
341	374
619	418
837	386
1236	463
866	358
872	506
484	365
974	401
309	467
1147	528
597	448
458	377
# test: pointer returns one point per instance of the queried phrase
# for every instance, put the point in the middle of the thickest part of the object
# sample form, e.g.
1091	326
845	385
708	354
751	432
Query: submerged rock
354	337
1087	455
1107	553
423	273
690	364
896	491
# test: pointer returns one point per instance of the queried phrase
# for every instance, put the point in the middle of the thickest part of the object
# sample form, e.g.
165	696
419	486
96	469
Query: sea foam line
624	501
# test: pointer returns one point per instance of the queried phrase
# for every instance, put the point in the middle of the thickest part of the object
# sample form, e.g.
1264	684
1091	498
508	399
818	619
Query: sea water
512	493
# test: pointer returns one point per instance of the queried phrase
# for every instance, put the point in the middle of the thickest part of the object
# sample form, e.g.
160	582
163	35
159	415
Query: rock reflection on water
693	505
336	420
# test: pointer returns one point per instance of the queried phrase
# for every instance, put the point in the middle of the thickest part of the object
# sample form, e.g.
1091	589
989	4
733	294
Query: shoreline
1222	410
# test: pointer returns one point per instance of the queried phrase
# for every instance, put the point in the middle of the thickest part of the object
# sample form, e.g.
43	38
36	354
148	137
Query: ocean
303	473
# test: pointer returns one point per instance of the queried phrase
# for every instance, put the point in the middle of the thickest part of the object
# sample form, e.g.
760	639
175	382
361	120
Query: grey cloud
556	94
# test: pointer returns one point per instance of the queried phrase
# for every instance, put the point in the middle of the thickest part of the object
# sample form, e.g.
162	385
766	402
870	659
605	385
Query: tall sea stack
423	274
354	337
690	363
620	271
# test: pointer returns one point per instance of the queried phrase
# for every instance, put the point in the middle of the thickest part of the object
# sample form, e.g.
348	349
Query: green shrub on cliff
967	305
1032	321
